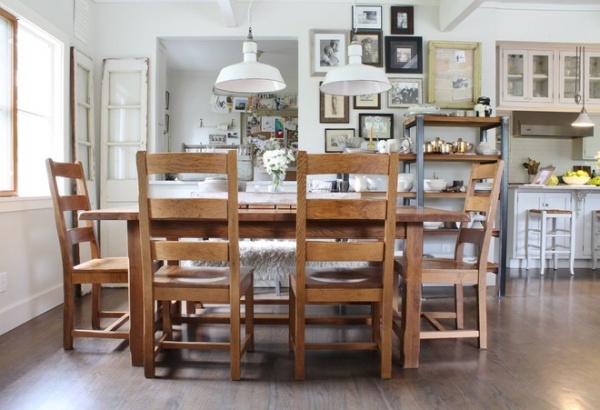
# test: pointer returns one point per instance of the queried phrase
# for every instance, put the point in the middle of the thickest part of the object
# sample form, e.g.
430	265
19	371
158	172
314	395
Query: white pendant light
249	76
584	119
355	78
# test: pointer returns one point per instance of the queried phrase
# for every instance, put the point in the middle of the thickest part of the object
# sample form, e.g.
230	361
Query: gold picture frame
454	74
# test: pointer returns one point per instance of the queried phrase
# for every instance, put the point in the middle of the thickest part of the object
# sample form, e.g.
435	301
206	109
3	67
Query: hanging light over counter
584	119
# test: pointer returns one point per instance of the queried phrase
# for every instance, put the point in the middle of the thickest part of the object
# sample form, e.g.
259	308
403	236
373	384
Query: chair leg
376	322
292	319
299	339
543	229
68	307
249	321
234	334
459	306
572	246
96	305
482	312
527	240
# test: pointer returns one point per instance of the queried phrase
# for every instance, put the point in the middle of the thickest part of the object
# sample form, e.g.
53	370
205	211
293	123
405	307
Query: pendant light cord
250	21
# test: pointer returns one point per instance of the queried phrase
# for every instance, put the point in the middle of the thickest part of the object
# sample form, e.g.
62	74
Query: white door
123	131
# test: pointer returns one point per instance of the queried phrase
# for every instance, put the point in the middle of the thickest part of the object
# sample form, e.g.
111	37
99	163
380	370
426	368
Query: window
8	31
38	130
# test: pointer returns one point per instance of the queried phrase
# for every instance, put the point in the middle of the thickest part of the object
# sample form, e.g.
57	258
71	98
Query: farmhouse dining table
278	222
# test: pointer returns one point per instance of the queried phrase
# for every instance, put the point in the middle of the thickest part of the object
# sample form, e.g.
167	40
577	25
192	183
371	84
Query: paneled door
123	131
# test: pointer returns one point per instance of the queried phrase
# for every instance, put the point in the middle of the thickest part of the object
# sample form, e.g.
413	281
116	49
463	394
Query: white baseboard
25	310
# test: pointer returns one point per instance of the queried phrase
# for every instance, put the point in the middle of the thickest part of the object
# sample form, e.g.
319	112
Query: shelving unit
418	159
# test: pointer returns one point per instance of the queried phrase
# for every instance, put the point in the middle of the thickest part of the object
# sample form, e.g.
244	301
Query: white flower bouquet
274	158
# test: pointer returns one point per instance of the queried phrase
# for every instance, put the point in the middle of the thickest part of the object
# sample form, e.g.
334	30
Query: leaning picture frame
405	92
377	126
402	20
331	136
327	51
367	17
404	54
372	46
333	108
367	102
454	74
543	176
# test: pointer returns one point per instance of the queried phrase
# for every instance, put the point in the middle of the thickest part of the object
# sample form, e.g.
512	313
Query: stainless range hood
547	124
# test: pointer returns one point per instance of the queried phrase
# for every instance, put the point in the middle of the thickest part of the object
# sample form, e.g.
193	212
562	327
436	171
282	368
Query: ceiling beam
454	12
227	11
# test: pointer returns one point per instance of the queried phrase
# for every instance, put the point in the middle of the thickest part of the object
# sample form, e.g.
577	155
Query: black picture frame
328	102
330	135
402	20
404	55
382	126
374	56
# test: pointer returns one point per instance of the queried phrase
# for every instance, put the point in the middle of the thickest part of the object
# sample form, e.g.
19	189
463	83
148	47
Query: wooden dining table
278	222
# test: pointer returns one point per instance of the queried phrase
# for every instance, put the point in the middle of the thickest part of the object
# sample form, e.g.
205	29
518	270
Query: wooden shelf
483	123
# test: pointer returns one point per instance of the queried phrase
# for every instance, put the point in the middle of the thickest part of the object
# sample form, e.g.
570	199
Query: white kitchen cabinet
586	148
544	75
527	76
523	201
587	202
571	81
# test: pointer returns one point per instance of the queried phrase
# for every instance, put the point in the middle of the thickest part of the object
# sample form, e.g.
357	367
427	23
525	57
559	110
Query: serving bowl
575	180
435	185
405	182
432	225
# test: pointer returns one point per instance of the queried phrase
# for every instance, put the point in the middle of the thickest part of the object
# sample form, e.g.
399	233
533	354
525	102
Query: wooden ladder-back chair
363	230
455	271
73	241
168	232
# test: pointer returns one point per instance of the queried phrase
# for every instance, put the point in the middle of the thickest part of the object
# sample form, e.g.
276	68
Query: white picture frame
322	58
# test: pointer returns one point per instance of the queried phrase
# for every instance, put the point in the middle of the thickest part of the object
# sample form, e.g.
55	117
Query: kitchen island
583	200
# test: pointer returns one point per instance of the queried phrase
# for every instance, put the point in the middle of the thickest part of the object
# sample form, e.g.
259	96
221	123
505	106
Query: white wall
28	246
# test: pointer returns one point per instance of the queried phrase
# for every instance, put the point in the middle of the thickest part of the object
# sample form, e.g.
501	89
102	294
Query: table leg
136	316
411	297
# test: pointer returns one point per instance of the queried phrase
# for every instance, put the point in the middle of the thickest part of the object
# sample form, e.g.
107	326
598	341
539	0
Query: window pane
6	108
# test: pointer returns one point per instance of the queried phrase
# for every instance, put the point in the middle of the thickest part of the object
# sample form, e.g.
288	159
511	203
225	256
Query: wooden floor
544	353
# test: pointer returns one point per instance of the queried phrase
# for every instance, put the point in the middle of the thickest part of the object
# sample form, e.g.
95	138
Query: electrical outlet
3	282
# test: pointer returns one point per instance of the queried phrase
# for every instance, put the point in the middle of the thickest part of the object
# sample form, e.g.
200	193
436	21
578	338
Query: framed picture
367	102
403	54
366	17
334	108
327	51
405	91
372	46
454	74
240	103
543	176
380	126
402	20
216	139
332	135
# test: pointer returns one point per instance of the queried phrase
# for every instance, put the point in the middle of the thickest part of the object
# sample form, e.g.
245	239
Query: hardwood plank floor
544	353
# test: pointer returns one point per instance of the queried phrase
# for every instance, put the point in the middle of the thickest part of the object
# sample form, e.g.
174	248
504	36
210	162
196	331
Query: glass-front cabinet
527	75
571	79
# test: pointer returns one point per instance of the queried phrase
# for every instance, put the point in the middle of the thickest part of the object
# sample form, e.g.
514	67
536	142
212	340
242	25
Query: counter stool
550	231
595	237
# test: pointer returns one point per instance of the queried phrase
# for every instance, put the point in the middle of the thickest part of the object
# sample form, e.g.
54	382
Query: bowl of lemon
576	177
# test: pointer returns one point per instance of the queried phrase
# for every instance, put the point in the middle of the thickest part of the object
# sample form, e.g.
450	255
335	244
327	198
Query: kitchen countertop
554	187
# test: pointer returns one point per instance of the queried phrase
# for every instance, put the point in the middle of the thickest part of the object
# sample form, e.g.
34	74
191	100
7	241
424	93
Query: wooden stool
595	237
552	232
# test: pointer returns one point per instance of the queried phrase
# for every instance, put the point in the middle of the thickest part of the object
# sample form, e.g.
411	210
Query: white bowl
405	182
432	225
435	185
212	185
576	180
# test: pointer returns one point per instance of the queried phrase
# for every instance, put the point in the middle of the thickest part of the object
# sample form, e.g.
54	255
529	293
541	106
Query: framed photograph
331	138
216	139
404	55
366	17
543	176
327	51
334	108
405	92
402	20
372	45
240	103
380	126
454	74
367	102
